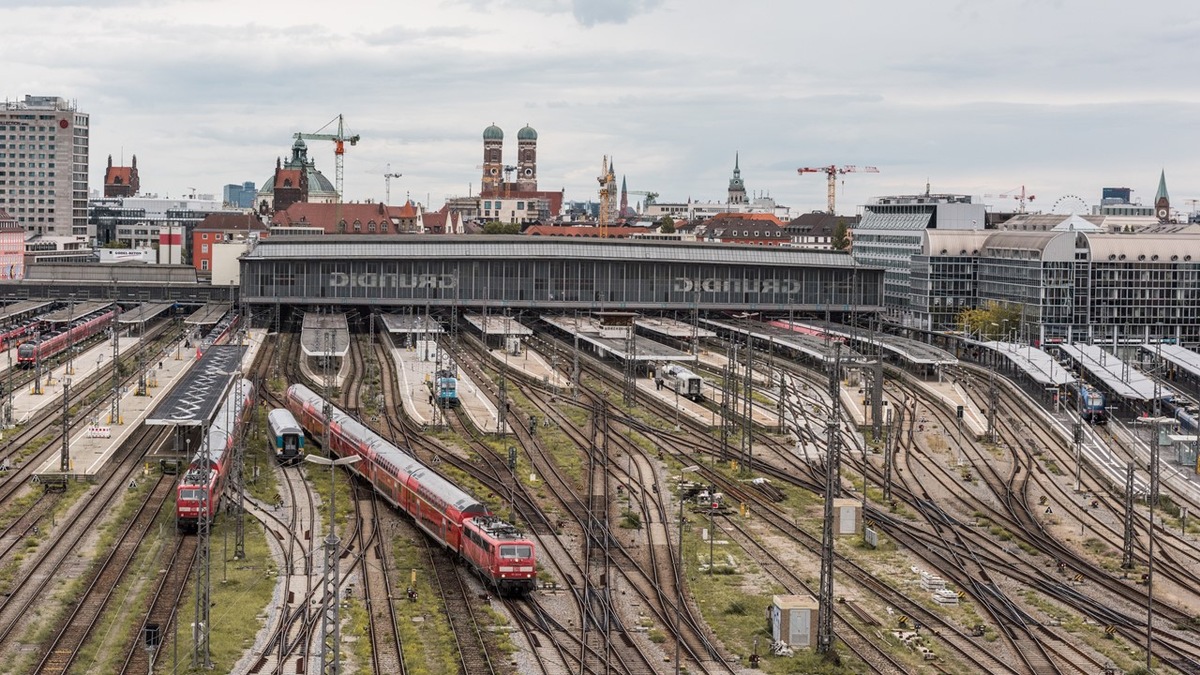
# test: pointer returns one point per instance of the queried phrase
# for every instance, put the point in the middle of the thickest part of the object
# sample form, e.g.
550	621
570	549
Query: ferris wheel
1068	204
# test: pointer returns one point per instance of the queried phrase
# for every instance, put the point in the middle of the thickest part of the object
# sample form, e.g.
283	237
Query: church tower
737	189
1162	202
527	158
493	161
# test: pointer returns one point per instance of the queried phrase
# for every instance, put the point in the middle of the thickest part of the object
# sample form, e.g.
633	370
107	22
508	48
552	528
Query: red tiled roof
112	173
324	216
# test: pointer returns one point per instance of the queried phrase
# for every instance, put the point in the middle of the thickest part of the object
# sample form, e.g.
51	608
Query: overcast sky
983	96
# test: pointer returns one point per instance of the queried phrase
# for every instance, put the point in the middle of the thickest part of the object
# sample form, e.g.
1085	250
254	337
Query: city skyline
1064	99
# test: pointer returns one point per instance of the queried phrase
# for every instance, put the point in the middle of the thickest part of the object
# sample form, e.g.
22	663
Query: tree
841	237
666	225
993	321
496	227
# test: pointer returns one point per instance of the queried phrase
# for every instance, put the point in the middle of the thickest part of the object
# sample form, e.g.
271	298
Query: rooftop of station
1036	363
195	400
1118	376
588	330
79	309
23	307
411	323
325	335
144	312
493	324
1180	356
476	247
816	347
208	314
913	351
674	328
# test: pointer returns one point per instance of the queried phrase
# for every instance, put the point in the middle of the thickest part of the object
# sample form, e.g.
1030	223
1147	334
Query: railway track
37	576
63	648
387	652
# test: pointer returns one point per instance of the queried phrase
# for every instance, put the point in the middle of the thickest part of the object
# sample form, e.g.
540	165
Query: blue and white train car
681	380
445	388
285	435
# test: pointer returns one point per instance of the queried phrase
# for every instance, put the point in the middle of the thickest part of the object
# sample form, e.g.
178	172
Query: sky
1063	97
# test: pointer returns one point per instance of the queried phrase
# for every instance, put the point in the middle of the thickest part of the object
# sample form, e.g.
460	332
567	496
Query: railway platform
533	364
952	395
92	445
415	367
25	403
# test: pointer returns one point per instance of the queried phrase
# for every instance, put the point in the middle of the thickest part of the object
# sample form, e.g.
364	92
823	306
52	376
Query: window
516	552
204	236
204	248
204	265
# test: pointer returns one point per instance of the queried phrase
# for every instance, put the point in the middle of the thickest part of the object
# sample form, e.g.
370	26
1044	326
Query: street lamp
330	630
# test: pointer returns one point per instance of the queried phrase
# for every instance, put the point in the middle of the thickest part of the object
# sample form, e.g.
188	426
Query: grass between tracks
424	627
11	568
103	652
1115	649
240	600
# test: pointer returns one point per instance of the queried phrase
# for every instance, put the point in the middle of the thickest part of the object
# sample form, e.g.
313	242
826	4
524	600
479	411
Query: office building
44	165
239	196
891	231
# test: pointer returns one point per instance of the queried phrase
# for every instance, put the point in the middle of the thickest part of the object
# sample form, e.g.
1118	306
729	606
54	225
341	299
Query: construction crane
608	197
650	196
832	172
387	181
1022	197
339	149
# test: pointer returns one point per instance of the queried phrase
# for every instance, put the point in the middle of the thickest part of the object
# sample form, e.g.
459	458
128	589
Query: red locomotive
42	348
494	548
199	492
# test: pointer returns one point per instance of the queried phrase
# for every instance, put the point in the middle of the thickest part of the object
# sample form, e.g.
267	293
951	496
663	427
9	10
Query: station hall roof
816	347
144	312
208	314
340	247
23	307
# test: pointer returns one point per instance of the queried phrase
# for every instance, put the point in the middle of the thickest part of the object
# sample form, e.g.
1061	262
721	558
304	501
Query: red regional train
223	329
199	493
14	335
42	348
494	548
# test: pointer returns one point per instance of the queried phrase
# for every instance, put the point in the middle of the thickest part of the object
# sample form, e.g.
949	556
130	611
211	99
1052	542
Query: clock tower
527	158
493	162
1162	202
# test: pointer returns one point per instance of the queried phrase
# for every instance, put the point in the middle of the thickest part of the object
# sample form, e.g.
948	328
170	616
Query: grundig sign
373	280
715	285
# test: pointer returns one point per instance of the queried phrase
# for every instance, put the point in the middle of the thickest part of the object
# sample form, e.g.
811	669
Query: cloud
592	12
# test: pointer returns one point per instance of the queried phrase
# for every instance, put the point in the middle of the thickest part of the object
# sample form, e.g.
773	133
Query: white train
680	380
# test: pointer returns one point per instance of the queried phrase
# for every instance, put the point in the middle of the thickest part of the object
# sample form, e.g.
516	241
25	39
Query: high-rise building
44	165
240	196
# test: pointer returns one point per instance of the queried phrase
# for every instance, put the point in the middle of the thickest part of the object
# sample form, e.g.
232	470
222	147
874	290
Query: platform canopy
195	400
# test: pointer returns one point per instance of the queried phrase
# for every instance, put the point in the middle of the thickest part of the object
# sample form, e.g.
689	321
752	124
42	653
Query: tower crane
387	180
1021	198
339	149
832	172
650	196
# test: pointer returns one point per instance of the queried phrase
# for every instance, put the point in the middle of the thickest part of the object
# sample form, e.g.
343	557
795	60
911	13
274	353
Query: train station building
553	275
